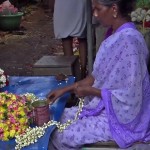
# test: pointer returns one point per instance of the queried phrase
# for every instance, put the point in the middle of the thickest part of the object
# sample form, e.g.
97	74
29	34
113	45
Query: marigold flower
22	120
14	119
12	133
6	135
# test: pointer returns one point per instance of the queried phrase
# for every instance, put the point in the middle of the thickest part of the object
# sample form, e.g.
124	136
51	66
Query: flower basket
10	22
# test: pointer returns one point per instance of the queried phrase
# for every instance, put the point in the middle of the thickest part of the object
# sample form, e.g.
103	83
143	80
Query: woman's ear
115	10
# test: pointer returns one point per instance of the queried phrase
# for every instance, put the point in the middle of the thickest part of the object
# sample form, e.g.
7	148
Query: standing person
70	21
117	93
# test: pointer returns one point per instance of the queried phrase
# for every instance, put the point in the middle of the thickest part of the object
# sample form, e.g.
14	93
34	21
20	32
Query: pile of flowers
140	15
3	79
15	114
6	8
33	134
16	111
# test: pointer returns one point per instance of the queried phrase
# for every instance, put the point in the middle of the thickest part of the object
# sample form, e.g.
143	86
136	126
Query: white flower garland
2	79
33	134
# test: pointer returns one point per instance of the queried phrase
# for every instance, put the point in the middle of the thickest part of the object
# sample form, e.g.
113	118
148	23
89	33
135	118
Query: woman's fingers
51	98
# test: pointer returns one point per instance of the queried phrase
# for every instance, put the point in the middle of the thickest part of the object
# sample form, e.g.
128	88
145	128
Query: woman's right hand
53	95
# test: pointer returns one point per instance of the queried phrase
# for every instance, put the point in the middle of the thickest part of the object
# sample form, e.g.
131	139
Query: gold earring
115	15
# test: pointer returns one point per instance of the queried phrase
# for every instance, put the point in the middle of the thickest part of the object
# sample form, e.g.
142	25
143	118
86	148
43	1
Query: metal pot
41	112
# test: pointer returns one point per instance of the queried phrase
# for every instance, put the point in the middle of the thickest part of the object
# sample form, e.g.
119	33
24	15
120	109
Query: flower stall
141	17
18	126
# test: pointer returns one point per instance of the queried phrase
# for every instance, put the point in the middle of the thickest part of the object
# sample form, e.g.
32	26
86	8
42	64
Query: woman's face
104	14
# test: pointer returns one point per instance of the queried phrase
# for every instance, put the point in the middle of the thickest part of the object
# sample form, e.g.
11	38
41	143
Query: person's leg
83	56
67	46
55	142
84	131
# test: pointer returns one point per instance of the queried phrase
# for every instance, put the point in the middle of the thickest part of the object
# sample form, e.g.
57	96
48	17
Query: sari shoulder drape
120	71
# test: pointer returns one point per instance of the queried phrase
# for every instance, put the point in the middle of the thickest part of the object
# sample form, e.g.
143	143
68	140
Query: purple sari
122	114
120	72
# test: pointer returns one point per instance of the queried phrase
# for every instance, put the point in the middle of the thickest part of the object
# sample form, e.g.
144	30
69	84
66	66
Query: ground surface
18	53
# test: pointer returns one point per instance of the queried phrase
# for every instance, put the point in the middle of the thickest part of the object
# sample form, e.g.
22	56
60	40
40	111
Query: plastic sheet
40	86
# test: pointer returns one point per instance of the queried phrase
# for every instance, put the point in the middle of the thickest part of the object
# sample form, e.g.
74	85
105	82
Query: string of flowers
32	134
3	79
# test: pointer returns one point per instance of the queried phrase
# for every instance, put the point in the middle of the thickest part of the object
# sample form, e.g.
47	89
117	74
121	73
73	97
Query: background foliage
143	3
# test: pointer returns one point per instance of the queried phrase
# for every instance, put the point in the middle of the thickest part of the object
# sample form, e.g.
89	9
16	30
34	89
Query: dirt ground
20	49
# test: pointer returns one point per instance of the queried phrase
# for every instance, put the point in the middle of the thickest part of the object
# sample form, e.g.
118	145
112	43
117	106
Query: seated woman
117	93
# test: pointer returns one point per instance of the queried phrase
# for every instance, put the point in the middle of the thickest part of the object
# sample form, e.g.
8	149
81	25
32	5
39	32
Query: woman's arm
87	82
84	87
87	91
